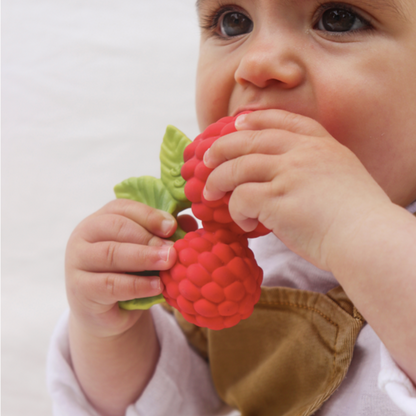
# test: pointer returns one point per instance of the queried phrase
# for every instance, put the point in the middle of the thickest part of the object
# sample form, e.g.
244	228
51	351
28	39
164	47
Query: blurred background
88	88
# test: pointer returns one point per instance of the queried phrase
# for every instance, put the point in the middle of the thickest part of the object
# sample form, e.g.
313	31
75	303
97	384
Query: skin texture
114	352
326	162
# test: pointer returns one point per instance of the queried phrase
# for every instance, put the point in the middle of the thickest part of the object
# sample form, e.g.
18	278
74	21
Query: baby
326	160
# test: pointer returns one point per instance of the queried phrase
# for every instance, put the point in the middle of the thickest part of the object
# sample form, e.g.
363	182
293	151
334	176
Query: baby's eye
235	24
338	19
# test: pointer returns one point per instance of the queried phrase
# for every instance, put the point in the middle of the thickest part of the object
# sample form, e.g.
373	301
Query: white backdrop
88	87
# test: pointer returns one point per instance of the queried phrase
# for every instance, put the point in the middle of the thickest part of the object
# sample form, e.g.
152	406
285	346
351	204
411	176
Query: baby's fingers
113	227
266	142
153	220
252	203
228	176
112	256
281	120
109	288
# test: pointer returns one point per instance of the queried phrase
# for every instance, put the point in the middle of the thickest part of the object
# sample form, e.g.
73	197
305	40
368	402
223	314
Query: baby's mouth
249	109
244	110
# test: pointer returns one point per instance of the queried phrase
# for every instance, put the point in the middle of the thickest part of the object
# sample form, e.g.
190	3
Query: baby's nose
269	59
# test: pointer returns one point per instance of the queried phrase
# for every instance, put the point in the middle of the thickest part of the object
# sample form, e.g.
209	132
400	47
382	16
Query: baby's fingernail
206	194
167	224
212	196
155	283
206	159
164	252
240	122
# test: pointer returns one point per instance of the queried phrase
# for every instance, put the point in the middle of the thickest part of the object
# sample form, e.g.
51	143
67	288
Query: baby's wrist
357	234
113	369
104	326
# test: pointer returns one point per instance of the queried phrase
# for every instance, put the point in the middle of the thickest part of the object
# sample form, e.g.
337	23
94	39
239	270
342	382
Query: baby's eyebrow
396	6
199	4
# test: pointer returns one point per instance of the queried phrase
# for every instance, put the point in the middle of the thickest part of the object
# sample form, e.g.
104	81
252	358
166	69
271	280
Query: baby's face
349	65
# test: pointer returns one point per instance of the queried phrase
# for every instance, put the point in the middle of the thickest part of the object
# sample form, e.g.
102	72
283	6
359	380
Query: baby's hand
289	173
121	238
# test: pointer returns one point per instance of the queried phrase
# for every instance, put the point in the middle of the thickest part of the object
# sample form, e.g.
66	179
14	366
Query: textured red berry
216	281
213	214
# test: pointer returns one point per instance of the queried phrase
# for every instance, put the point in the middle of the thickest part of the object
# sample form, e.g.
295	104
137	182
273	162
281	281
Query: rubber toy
216	280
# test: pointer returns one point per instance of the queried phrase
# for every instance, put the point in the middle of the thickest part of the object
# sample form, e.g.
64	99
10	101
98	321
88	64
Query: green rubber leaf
178	234
166	194
142	303
171	160
148	190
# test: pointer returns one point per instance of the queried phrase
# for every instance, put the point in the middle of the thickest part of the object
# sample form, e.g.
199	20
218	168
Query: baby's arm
289	173
376	264
114	352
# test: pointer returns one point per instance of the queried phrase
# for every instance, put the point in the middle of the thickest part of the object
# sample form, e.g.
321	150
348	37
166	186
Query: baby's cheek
214	87
210	106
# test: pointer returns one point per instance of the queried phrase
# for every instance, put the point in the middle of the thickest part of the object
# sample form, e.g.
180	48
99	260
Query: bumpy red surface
216	281
213	214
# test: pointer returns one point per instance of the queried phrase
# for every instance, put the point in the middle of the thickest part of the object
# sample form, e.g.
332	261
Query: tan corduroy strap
288	357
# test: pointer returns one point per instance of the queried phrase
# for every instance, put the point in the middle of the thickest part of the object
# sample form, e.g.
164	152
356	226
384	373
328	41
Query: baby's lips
240	113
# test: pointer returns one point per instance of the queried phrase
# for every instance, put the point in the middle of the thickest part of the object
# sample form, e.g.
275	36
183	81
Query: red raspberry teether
216	281
213	214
